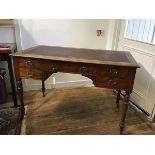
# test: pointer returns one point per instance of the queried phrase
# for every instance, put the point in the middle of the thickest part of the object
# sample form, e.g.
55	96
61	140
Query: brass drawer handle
29	63
113	71
111	82
30	74
83	69
54	69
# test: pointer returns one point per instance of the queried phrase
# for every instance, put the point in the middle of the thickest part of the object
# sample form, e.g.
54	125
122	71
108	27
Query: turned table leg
118	98
124	111
20	93
43	88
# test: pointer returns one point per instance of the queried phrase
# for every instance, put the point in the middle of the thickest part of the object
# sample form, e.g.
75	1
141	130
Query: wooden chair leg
43	88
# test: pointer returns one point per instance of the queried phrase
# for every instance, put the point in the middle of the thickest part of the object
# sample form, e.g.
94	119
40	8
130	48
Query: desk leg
43	88
12	81
124	111
118	98
20	93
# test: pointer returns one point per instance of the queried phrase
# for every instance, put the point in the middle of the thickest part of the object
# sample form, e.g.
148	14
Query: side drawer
112	71
112	82
32	63
27	73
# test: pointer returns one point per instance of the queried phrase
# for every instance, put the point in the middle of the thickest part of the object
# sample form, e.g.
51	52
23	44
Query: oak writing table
6	49
107	69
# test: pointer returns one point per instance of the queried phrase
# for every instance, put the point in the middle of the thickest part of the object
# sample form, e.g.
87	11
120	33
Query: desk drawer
77	68
50	66
112	71
38	64
39	67
115	83
24	72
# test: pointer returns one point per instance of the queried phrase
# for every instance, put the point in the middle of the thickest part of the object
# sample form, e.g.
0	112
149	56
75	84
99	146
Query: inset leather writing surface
119	58
76	53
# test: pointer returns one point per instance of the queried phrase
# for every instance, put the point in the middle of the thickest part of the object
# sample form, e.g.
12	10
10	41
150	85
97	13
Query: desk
107	69
4	56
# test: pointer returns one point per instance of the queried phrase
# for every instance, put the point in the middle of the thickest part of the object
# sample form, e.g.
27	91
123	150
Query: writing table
107	69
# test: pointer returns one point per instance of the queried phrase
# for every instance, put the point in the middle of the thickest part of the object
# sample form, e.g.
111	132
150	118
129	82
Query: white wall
110	34
7	34
69	33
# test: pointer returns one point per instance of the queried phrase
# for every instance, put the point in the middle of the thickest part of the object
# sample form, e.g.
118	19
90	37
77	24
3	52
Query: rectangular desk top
107	57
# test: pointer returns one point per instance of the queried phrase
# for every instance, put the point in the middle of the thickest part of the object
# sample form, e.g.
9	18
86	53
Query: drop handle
29	63
83	69
54	69
113	71
30	74
111	82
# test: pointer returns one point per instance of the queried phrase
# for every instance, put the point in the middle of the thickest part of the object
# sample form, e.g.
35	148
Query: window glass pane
146	30
129	28
141	30
135	29
151	33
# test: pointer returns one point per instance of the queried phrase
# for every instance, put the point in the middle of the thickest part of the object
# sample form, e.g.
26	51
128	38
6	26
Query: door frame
116	34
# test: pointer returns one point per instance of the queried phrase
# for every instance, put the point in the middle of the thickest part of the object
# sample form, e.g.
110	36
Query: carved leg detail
118	98
43	88
124	111
20	93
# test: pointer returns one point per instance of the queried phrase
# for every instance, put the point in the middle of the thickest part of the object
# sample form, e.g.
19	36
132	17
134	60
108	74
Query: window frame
139	41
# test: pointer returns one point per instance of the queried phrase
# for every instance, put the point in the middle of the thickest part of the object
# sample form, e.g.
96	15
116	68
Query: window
142	30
